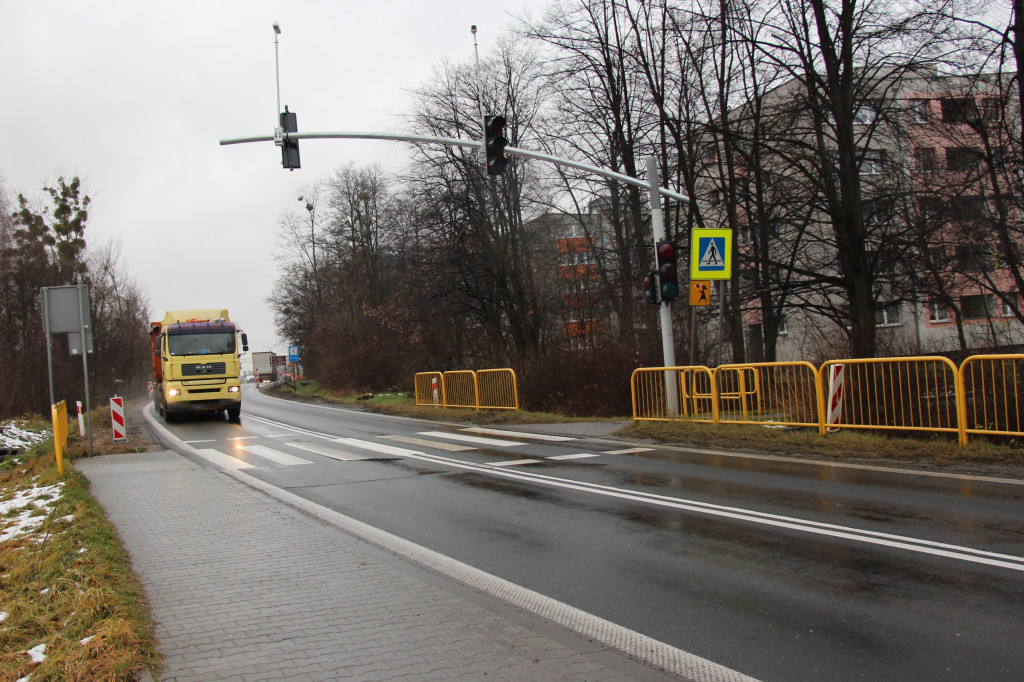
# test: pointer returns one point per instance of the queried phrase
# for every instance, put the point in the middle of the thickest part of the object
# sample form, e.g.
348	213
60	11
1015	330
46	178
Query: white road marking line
931	547
244	437
452	447
326	451
516	434
222	460
493	442
514	462
582	455
275	455
376	447
627	451
209	440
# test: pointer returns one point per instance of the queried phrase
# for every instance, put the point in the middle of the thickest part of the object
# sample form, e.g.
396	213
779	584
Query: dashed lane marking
582	455
514	462
627	451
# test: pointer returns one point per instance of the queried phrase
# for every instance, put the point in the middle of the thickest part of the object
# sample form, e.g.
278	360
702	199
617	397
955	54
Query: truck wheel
234	415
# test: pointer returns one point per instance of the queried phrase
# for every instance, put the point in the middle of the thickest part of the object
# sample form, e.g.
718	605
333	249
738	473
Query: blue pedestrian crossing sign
710	253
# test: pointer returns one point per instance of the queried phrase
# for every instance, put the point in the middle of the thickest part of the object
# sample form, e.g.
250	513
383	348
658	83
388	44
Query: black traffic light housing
651	288
667	271
290	147
494	144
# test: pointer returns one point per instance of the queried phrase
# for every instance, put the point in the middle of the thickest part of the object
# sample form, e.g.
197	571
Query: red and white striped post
117	420
81	421
836	374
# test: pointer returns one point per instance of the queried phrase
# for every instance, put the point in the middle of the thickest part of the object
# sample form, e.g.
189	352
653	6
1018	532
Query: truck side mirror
156	346
245	342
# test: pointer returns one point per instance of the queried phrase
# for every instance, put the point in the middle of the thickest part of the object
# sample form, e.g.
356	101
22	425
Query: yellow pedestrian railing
59	415
984	395
429	389
498	389
697	391
899	394
488	389
992	401
779	393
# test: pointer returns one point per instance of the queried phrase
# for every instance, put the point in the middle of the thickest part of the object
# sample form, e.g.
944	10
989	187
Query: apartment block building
940	205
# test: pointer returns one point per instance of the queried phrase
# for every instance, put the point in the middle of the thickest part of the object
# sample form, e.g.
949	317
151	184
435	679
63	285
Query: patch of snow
28	502
88	639
16	437
3	616
37	653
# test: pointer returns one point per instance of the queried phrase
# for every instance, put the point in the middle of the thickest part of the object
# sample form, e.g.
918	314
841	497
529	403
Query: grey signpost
66	310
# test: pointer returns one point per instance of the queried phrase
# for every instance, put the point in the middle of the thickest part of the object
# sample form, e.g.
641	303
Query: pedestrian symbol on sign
711	250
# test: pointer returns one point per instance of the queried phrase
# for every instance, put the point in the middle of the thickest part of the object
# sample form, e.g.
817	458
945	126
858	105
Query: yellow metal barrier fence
985	395
991	395
460	389
429	389
490	389
902	394
498	389
777	393
59	415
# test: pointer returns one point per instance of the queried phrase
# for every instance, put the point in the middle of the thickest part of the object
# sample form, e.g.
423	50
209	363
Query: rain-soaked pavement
781	569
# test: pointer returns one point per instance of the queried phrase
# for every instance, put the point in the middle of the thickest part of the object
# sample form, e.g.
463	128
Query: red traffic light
666	250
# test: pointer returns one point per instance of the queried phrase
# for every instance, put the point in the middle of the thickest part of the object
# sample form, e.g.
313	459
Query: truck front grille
200	369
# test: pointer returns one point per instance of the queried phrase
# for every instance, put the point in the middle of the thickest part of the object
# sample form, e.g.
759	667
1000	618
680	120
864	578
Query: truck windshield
201	344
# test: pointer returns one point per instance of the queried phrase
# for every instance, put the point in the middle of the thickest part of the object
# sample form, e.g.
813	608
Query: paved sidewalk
245	587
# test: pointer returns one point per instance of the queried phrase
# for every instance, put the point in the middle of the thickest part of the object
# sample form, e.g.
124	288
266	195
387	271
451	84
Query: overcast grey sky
133	97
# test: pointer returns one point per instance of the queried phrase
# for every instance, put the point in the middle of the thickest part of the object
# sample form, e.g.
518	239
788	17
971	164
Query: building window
976	307
876	213
887	315
963	158
924	159
783	326
1004	308
959	110
972	258
917	111
873	162
939	312
866	112
992	109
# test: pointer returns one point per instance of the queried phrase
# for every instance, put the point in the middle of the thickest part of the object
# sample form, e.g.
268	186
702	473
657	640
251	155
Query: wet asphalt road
780	570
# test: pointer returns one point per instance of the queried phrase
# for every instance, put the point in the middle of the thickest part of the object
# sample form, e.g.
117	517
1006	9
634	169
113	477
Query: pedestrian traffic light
494	144
667	273
651	288
290	147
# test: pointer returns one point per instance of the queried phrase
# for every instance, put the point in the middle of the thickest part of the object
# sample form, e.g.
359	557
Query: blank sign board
63	308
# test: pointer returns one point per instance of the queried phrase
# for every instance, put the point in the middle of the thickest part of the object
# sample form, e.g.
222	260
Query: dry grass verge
72	607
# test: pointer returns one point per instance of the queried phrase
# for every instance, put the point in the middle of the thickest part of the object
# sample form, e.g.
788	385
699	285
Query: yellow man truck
195	363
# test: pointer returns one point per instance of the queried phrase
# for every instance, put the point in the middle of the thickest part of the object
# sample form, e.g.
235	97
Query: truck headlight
173	391
232	389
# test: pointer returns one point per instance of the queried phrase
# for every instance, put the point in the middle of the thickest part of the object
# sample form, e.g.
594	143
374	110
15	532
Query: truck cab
196	364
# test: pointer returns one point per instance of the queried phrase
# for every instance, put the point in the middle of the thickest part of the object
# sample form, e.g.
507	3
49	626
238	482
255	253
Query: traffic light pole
668	348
